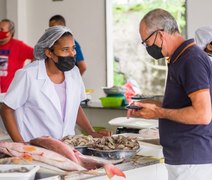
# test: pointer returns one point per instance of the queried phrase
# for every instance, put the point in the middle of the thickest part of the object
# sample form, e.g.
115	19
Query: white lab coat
37	107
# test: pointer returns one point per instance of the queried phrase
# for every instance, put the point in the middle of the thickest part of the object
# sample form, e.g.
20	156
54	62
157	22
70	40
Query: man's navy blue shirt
190	73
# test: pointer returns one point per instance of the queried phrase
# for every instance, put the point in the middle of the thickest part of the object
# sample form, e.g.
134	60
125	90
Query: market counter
138	163
147	164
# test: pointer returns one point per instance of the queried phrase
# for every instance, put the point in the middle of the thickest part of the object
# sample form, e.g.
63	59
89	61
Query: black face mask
65	63
155	51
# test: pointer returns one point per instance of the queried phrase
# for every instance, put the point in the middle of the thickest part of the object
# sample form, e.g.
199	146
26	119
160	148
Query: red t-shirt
12	57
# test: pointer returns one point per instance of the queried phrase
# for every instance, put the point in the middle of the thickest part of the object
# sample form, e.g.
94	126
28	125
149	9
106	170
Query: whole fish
90	162
38	154
87	162
56	146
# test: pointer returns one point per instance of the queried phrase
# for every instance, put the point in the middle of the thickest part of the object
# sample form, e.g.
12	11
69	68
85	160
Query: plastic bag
132	89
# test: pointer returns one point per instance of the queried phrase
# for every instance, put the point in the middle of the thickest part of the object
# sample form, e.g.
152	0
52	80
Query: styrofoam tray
152	150
137	123
19	176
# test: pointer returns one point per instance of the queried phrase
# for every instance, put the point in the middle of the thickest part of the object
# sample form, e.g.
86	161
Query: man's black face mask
154	50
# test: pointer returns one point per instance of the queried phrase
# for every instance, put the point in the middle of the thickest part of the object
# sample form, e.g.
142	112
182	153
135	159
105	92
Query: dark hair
11	26
58	18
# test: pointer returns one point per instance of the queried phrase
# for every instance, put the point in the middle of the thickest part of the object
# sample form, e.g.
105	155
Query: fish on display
87	162
55	145
31	152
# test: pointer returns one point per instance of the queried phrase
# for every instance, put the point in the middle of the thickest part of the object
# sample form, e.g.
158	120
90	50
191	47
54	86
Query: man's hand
148	111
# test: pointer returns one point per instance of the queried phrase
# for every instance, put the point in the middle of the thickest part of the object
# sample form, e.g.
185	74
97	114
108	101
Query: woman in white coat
44	97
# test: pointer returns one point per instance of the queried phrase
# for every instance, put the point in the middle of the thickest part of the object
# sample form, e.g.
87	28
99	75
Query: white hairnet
203	36
48	39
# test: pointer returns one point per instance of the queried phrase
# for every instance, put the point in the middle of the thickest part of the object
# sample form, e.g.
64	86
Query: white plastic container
30	175
51	178
150	150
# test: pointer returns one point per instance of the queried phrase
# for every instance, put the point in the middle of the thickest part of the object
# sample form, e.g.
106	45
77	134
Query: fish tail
74	158
112	170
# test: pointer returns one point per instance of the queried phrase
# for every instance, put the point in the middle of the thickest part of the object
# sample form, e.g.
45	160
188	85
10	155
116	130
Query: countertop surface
133	163
149	154
138	161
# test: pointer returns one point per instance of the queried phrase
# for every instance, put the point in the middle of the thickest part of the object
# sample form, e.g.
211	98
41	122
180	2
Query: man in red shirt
13	54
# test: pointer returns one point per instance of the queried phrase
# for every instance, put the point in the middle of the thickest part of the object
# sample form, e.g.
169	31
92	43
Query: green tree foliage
122	17
175	7
119	77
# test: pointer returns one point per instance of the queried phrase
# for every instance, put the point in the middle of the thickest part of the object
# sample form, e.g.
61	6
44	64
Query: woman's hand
101	133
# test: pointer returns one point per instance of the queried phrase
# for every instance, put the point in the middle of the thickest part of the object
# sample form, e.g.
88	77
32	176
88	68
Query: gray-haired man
185	114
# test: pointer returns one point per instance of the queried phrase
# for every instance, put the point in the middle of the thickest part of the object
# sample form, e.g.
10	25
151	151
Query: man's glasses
144	41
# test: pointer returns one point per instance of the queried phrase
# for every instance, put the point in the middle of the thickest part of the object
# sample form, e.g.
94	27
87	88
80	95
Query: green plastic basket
111	101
